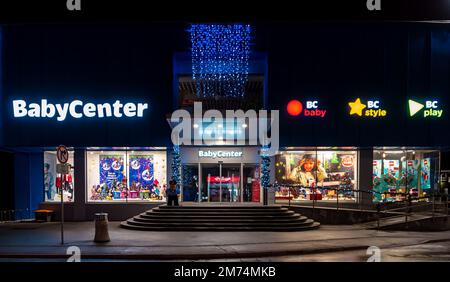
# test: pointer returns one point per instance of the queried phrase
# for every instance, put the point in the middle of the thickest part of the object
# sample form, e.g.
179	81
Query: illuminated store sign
371	109
219	154
312	109
431	108
223	179
77	109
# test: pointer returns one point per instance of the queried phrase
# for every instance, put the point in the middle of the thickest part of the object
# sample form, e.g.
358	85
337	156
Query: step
219	210
220	218
312	226
222	207
215	213
210	217
221	224
223	219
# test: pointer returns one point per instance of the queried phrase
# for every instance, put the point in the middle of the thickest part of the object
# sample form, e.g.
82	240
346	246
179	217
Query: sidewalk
42	240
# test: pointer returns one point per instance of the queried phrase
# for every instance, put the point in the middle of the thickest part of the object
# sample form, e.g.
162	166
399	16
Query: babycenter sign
77	109
219	154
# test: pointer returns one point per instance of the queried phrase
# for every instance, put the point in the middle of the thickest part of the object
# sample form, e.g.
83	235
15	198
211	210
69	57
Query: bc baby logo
312	109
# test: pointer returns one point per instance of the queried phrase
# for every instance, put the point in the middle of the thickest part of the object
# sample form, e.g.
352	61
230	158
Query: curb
199	256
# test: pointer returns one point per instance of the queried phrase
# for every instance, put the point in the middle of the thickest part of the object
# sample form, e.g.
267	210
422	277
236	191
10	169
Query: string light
220	59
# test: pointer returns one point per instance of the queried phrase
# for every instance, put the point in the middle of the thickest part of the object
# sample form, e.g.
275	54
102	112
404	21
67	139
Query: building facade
361	109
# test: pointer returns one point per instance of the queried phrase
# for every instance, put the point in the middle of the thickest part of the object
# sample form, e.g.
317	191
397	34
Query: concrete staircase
220	218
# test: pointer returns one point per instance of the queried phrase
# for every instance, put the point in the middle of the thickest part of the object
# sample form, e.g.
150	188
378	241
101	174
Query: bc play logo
432	108
312	109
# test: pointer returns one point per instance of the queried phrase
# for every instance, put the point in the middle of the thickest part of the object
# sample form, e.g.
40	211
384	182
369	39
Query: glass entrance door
210	183
231	183
221	182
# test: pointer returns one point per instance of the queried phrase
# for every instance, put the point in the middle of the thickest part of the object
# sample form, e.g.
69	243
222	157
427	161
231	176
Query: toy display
114	184
141	170
112	170
319	175
410	174
425	174
53	182
376	180
390	177
397	181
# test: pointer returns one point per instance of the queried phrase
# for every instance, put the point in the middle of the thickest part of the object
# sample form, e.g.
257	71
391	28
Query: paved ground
432	252
33	241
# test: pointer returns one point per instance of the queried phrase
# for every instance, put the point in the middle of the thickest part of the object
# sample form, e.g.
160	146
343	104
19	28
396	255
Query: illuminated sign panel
77	109
219	154
430	108
309	109
372	108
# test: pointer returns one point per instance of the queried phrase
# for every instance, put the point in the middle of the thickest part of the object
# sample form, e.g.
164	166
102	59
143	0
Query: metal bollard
101	227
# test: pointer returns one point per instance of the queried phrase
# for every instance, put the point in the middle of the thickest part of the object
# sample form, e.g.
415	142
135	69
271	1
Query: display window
126	176
316	175
399	173
54	182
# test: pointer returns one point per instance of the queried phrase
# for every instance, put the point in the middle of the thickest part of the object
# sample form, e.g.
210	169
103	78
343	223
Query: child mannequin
306	170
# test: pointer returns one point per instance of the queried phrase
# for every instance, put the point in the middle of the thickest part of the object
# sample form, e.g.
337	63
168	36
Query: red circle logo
294	107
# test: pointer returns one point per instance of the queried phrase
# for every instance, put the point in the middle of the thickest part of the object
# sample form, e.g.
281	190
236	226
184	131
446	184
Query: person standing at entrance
172	195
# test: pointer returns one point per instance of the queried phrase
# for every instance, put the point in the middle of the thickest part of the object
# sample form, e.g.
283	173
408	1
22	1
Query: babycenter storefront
221	174
365	142
124	181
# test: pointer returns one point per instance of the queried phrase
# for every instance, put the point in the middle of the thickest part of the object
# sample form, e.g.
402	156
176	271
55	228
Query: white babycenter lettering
219	154
77	109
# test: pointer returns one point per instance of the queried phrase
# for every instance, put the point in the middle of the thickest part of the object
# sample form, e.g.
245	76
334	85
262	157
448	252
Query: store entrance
221	182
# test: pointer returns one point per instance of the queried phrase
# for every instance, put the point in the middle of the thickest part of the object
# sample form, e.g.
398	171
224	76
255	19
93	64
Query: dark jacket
172	192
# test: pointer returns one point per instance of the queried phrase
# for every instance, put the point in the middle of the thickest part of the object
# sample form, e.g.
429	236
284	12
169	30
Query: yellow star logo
356	107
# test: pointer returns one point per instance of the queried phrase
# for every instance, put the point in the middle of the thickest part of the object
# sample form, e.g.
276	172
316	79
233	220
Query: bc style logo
371	109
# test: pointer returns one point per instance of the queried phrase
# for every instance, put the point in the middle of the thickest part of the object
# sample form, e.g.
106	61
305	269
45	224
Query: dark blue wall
1	86
333	62
29	187
99	63
338	63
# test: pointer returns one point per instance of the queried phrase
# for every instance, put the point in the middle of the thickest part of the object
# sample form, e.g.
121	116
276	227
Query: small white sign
219	154
63	168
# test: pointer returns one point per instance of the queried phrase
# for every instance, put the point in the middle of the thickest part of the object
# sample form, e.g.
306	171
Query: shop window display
316	175
126	176
397	173
53	181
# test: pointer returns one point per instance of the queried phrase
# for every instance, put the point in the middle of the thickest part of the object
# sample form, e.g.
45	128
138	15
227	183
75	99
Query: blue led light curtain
220	59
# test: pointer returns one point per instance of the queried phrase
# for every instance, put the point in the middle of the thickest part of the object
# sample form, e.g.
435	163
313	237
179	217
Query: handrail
371	191
382	206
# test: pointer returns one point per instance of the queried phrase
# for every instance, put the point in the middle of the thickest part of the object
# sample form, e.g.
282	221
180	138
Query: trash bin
101	227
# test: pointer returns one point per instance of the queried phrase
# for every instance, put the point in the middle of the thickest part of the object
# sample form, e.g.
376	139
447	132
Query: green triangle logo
414	107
